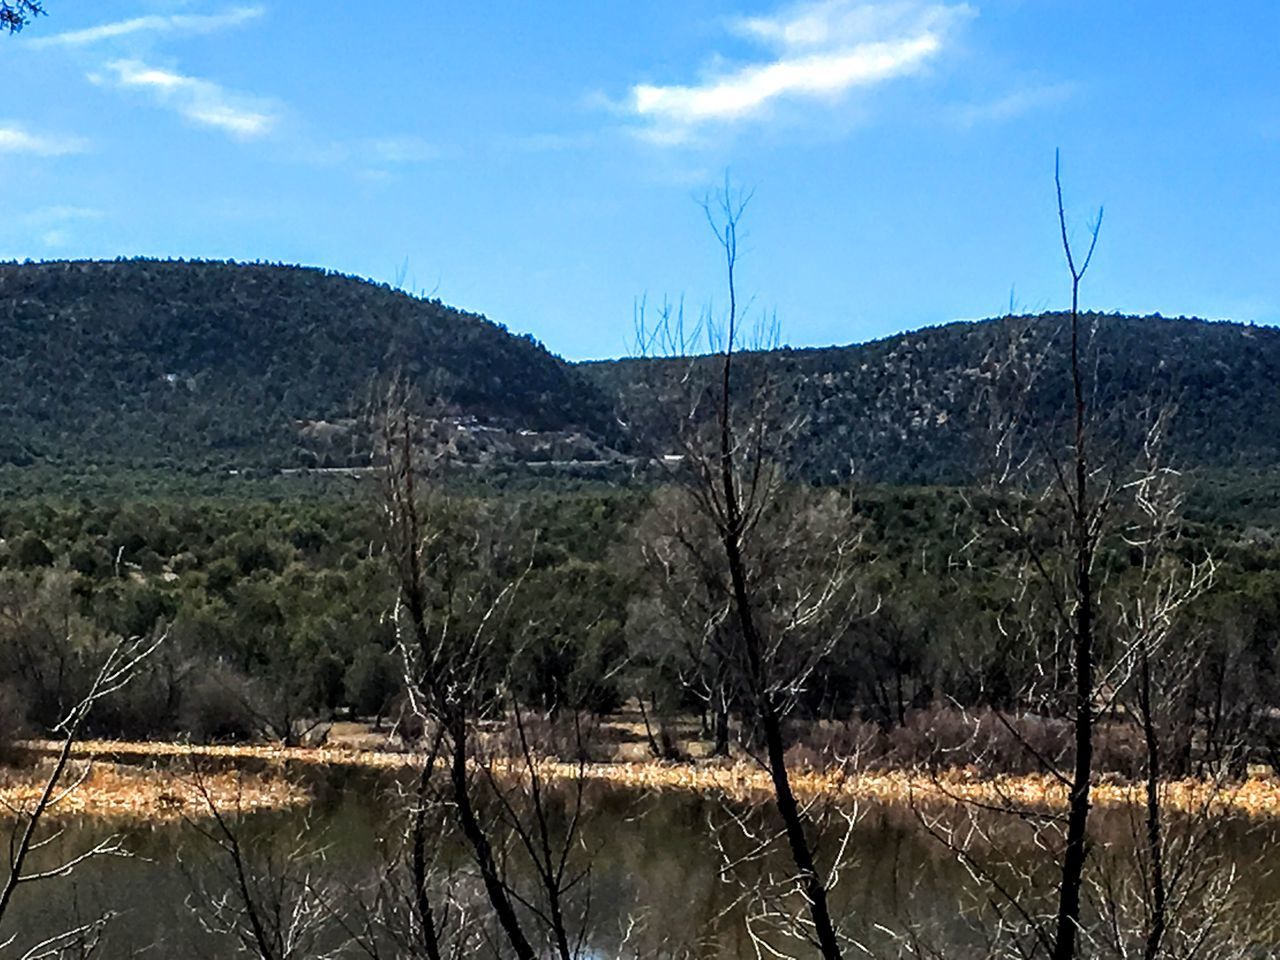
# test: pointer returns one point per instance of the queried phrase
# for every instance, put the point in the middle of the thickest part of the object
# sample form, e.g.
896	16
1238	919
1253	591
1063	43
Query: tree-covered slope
211	366
219	364
914	408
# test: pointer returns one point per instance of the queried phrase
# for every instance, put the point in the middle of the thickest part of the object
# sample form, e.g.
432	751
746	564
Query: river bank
166	781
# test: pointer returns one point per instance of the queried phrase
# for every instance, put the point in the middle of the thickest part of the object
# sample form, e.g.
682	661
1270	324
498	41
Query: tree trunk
720	747
815	890
499	898
421	898
654	747
1155	843
1081	779
770	723
1068	920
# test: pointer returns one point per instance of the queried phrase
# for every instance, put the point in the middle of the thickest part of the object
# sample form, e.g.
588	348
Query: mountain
210	367
913	408
221	365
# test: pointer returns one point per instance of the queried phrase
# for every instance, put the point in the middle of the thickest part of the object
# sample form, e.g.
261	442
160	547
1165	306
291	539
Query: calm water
654	871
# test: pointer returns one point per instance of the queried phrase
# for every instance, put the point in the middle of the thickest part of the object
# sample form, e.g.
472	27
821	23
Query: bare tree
459	569
272	893
1087	515
1170	892
1075	498
766	571
1157	683
677	622
1099	588
27	833
420	907
261	892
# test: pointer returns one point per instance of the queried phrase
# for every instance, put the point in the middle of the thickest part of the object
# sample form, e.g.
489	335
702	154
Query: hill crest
213	366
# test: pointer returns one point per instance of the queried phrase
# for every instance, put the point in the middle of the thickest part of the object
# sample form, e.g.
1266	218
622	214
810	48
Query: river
656	887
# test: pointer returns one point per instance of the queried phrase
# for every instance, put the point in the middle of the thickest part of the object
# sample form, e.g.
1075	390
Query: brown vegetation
133	780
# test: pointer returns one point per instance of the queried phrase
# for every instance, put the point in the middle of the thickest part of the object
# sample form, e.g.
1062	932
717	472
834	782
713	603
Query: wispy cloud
375	154
53	225
178	23
399	150
15	138
746	91
61	213
832	23
1014	104
817	51
200	101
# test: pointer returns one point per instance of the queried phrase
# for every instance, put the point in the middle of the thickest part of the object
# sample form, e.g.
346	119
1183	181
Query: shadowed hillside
221	364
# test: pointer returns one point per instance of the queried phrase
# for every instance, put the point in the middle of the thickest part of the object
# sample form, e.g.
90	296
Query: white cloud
1014	105
201	101
180	23
828	23
16	139
821	51
746	91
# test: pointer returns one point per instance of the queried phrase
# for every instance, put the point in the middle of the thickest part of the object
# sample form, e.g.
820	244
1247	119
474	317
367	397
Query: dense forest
276	613
911	408
211	366
194	369
133	389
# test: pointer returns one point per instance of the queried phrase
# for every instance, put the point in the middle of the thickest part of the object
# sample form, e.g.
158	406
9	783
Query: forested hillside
913	408
221	365
203	368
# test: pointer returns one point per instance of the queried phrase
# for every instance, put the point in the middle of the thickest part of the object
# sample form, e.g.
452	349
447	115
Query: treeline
194	369
278	616
203	365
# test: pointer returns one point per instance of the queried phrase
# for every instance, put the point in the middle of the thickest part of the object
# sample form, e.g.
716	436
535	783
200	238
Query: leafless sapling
27	831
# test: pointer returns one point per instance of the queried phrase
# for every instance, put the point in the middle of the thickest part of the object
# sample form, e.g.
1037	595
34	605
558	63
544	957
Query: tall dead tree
772	567
1165	893
1062	492
460	565
447	644
1087	511
1091	510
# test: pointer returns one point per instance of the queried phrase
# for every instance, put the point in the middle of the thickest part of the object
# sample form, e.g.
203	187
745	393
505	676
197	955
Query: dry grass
749	783
125	792
128	781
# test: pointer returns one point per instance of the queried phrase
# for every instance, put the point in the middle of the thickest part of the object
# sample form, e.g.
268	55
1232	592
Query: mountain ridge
146	360
909	406
215	366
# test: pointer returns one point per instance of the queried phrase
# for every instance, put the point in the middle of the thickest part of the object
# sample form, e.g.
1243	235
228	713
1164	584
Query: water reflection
656	885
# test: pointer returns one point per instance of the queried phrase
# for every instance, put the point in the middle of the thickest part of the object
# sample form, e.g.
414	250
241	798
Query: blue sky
540	163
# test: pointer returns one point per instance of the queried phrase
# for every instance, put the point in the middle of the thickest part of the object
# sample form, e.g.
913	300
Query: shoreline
129	780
